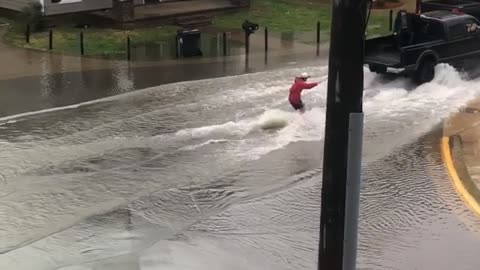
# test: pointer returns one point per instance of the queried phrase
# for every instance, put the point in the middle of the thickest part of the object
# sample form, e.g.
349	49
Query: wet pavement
462	132
222	174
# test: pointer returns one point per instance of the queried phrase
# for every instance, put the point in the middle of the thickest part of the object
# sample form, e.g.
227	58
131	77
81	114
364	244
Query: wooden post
318	38
27	34
247	44
343	138
391	20
128	48
266	39
50	40
82	48
224	44
176	46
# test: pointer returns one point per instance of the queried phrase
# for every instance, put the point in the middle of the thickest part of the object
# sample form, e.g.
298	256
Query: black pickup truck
421	41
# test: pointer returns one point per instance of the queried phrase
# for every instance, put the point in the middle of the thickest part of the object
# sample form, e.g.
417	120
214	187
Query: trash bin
189	43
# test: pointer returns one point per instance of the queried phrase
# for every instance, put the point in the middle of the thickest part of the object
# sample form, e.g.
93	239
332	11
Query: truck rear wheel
377	69
425	72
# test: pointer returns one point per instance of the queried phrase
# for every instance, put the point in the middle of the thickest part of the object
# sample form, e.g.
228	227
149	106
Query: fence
226	44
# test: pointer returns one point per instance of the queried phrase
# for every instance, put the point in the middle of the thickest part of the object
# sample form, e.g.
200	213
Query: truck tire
425	72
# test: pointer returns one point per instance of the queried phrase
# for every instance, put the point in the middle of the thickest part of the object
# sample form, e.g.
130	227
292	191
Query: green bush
33	16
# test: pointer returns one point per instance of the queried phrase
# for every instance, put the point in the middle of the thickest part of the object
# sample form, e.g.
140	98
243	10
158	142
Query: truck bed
382	51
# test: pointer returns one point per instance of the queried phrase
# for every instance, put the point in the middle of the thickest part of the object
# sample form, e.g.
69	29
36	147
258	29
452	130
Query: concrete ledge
452	155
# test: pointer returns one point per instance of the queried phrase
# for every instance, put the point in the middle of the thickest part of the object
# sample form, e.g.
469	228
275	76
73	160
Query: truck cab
420	41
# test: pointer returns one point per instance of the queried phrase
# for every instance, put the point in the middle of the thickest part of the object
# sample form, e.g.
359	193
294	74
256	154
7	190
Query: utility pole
343	137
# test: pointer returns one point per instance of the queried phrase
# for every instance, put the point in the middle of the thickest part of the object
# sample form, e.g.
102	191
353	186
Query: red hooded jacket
297	88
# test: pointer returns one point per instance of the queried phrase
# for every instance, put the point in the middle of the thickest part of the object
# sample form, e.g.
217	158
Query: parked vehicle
461	6
421	41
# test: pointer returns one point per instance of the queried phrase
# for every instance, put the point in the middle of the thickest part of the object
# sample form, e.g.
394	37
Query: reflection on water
211	44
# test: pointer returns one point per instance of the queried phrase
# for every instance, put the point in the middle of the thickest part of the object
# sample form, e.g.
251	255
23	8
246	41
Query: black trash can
189	43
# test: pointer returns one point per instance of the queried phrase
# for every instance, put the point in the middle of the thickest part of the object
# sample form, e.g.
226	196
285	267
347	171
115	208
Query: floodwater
221	174
57	86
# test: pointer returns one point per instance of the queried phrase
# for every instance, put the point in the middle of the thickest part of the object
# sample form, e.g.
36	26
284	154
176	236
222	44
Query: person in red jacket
295	97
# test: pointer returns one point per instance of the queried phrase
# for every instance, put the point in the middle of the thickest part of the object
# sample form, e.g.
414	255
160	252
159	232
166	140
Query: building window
65	1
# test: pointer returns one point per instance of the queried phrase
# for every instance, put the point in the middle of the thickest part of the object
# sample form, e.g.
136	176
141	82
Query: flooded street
219	173
55	86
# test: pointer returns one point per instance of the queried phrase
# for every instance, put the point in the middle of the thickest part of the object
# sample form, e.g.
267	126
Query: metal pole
50	40
129	55
82	48
352	198
318	38
344	96
224	44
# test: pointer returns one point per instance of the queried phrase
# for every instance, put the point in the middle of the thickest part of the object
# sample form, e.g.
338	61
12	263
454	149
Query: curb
467	194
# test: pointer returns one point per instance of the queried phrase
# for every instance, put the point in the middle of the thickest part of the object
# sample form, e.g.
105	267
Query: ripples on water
146	180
